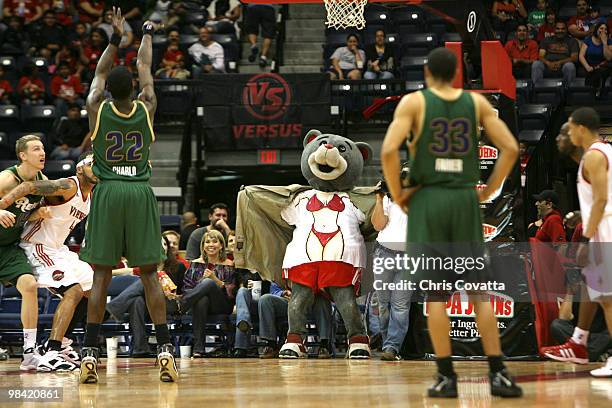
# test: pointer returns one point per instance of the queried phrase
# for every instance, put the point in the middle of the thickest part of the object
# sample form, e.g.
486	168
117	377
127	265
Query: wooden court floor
309	383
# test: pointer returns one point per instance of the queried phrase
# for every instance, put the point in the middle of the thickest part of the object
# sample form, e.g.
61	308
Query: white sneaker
54	360
4	354
29	360
605	371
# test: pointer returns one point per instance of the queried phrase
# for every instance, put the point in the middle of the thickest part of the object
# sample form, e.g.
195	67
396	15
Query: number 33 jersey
121	143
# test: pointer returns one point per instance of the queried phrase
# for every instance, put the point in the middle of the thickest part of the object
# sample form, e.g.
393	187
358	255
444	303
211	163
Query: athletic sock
580	336
29	338
161	334
54	345
92	331
496	364
445	366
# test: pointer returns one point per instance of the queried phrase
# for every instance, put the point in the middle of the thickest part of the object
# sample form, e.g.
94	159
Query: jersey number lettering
453	136
116	151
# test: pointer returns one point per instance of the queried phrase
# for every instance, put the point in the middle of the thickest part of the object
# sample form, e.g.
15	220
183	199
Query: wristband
148	28
584	239
115	39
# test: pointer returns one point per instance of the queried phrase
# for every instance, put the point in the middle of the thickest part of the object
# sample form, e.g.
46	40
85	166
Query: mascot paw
359	347
293	348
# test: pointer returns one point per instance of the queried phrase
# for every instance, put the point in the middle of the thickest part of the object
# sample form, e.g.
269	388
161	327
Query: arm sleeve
557	232
219	58
55	86
386	205
275	290
193	245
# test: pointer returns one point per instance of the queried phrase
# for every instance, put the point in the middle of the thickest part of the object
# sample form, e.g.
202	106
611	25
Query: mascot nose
329	146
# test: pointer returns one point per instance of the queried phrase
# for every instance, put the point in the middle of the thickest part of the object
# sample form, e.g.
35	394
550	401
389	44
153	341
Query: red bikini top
335	204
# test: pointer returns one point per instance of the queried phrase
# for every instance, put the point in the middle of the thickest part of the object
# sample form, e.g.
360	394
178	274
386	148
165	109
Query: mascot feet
293	347
359	347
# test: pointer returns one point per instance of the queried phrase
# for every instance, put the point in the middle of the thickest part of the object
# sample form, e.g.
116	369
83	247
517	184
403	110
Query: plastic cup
111	347
185	351
256	290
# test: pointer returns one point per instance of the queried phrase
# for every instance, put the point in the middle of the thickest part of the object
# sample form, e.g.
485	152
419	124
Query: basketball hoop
345	13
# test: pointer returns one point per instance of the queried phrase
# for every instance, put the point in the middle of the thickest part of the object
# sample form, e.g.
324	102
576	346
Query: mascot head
332	162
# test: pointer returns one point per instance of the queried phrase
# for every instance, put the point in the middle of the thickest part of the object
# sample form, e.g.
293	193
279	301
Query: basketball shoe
605	371
167	366
29	360
503	385
567	352
89	365
444	387
54	360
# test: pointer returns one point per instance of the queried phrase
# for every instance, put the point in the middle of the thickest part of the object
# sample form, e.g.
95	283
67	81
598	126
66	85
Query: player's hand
582	255
118	21
222	224
42	213
403	200
7	218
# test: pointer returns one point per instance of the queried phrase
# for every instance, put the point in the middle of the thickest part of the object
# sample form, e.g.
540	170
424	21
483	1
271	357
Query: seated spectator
90	11
15	40
226	24
189	223
78	34
91	51
551	229
548	28
49	36
257	15
131	10
29	10
578	25
271	310
132	300
507	14
594	17
71	135
69	55
170	66
347	62
66	89
218	216
210	286
107	26
523	52
231	244
380	58
160	11
208	55
537	17
6	90
64	11
31	89
557	56
173	238
595	56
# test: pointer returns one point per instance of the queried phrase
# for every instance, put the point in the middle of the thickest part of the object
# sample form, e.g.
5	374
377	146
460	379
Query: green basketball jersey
22	209
121	143
447	149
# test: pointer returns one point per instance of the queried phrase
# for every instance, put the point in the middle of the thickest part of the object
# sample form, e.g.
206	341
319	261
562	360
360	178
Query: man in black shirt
71	135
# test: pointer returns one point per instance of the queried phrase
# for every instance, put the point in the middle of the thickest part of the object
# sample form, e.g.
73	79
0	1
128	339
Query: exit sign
268	156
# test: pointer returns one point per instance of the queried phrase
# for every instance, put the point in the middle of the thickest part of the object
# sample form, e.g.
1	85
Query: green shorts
445	230
13	264
123	221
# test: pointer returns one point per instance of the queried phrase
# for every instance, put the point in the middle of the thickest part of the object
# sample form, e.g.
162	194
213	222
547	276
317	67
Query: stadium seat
451	37
411	15
38	118
550	91
375	16
6	151
578	94
534	116
531	136
9	117
566	12
160	41
523	91
55	169
170	221
411	68
412	86
187	40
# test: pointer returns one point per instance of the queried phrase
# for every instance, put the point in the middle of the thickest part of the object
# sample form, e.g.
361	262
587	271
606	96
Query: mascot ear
366	151
310	136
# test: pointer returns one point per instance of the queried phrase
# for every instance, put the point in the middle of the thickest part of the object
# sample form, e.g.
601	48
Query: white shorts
598	273
58	267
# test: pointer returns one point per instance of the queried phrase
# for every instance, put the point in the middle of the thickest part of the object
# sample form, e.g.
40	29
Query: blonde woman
209	287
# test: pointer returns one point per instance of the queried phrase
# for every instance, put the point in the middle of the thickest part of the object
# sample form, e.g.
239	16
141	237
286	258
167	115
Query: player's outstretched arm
63	187
96	90
503	139
143	63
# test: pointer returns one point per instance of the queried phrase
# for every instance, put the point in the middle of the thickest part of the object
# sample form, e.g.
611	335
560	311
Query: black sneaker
503	385
240	353
445	387
167	366
263	61
89	365
253	54
389	354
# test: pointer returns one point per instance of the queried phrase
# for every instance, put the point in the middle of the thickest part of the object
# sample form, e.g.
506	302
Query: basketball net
345	13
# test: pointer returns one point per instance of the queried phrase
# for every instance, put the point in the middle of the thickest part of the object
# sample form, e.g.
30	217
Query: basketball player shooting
124	218
444	123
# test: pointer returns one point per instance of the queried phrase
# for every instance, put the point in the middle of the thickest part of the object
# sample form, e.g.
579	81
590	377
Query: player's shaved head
442	64
119	83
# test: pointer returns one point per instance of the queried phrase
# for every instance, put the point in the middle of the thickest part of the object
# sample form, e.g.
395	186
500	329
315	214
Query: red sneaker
568	352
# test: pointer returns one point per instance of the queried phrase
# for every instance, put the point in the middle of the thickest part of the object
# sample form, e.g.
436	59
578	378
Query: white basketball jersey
53	232
585	190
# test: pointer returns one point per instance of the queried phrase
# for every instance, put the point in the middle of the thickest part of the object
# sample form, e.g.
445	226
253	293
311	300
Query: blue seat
534	116
578	94
411	68
523	91
55	169
170	221
548	91
9	117
38	118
